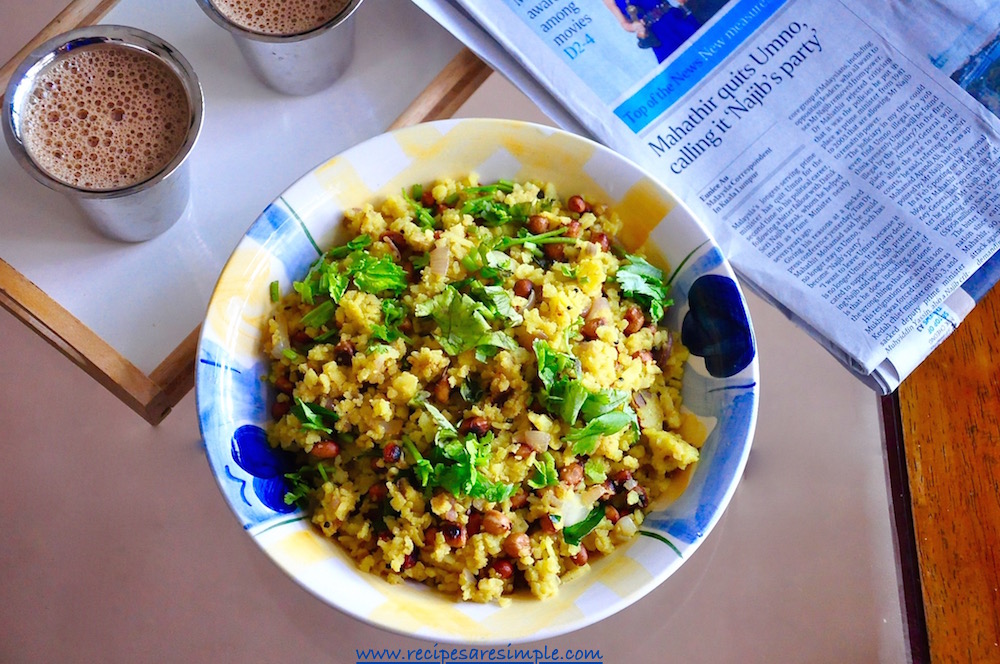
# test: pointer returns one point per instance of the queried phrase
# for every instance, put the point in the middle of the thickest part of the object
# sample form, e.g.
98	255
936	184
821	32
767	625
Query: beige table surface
118	547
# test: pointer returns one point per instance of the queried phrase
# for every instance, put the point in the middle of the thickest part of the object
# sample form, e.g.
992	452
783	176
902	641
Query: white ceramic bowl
720	387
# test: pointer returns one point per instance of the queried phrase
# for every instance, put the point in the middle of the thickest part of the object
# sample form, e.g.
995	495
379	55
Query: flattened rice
476	388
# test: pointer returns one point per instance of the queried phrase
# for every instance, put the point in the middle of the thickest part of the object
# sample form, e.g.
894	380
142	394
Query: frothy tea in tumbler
107	116
280	17
296	47
104	117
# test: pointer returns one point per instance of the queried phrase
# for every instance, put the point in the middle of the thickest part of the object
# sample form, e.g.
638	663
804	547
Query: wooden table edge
901	517
949	414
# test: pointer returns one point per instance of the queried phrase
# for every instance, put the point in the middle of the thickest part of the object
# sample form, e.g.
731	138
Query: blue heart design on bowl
716	327
252	453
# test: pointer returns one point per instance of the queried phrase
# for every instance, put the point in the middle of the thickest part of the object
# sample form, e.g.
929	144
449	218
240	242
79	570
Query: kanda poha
476	388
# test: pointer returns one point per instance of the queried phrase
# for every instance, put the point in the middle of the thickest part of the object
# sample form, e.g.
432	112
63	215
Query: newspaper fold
845	158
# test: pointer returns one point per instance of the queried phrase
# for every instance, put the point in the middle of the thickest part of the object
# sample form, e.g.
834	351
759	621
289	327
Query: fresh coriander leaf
565	399
485	353
300	487
499	261
420	261
462	477
454	449
438	417
384	333
605	401
360	242
422	468
545	472
393	313
460	320
644	283
487	211
471	391
493	492
499	339
575	533
633	417
551	362
487	262
379	275
458	478
336	285
304	289
314	416
520	212
459	474
595	470
422	215
585	439
497	301
320	315
640	266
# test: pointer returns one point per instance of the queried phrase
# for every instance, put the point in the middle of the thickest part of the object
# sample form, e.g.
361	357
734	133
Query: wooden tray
152	395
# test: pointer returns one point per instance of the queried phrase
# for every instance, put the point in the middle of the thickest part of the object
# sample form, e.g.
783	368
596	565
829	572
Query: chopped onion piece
537	440
599	308
626	526
282	343
592	494
438	258
530	300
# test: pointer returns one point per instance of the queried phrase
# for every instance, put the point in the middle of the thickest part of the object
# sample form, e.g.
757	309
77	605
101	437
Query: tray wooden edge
77	13
456	82
79	343
153	396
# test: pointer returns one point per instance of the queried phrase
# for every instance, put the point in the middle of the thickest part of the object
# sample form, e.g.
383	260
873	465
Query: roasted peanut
476	425
602	240
517	545
572	474
578	204
455	535
327	449
523	288
635	320
537	224
496	522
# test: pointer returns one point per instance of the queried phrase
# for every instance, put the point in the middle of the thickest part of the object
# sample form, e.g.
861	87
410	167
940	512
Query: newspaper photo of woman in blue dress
661	25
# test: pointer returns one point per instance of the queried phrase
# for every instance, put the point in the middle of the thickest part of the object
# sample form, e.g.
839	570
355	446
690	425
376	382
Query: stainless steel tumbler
295	64
131	213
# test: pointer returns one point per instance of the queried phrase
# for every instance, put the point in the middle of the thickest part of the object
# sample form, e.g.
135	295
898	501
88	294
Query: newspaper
844	157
